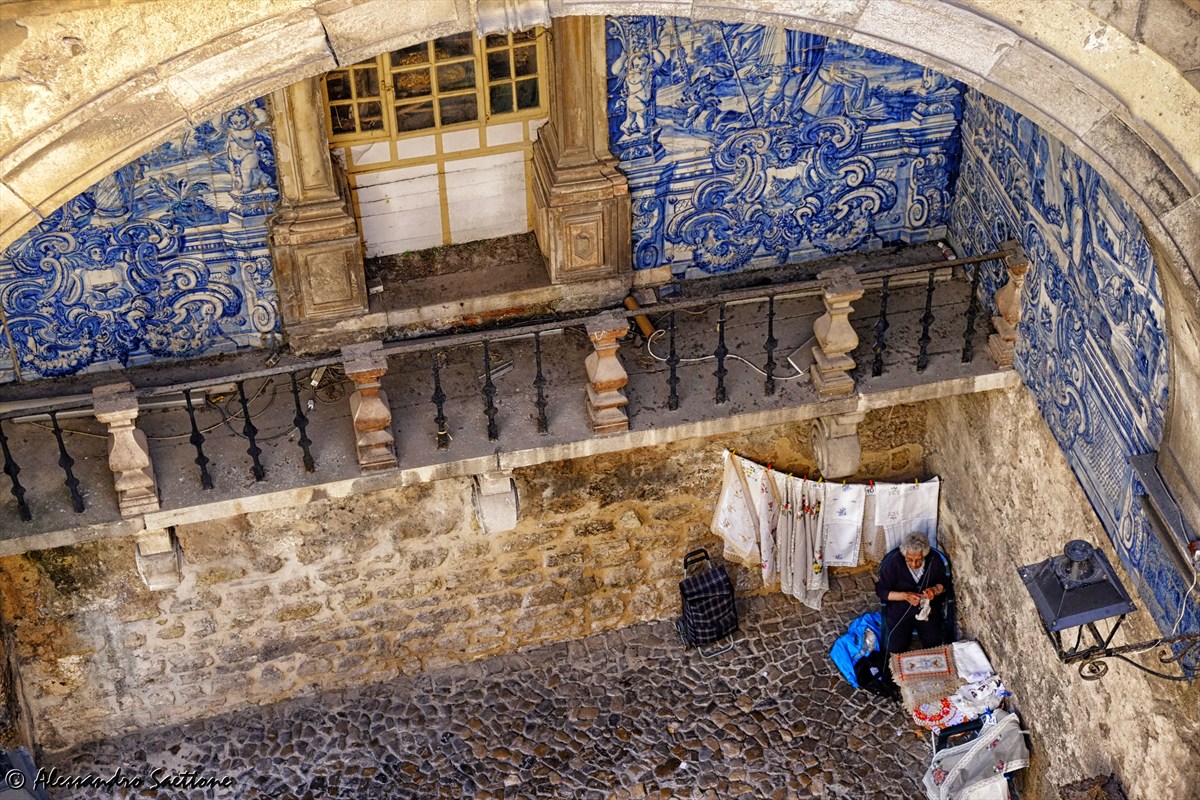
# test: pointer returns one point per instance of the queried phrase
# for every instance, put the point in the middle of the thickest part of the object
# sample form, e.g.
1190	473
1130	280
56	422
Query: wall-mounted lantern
1078	589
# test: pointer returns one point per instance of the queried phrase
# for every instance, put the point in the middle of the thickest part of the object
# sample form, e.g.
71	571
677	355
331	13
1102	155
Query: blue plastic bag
860	639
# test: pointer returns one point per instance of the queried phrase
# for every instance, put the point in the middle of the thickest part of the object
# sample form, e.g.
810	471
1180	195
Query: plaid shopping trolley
709	612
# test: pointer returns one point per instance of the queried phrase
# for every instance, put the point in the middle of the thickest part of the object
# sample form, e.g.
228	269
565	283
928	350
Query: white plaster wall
401	209
486	197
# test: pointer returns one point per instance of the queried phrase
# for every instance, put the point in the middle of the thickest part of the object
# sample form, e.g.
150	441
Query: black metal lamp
1079	588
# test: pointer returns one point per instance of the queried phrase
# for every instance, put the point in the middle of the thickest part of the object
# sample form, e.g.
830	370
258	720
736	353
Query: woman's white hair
915	542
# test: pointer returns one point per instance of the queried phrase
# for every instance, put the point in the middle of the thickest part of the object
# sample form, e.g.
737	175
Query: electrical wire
799	374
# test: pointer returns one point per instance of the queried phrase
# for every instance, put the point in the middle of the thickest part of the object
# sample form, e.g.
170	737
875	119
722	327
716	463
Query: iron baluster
972	311
881	326
439	401
539	383
489	394
721	352
250	433
301	423
771	343
673	365
197	440
66	462
926	321
11	470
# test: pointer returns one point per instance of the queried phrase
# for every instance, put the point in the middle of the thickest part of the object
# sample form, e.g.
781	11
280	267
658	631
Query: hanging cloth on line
735	519
894	509
747	515
842	523
793	529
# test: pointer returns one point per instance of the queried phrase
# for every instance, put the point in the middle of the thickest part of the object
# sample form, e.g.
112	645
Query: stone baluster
606	377
365	364
116	406
1002	343
836	339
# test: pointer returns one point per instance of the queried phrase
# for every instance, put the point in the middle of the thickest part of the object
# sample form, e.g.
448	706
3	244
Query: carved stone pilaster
314	236
159	559
582	207
1002	343
836	444
374	444
116	406
606	377
836	338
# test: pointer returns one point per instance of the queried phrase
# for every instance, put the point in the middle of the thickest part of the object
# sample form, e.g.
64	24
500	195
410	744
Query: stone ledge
1006	380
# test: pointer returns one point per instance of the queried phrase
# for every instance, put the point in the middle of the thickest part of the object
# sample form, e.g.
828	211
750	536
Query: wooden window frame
385	77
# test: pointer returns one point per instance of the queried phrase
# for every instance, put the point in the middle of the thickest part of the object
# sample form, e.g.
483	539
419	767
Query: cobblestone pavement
626	714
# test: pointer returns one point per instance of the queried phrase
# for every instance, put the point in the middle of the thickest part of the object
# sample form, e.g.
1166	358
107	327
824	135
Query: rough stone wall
286	603
1013	501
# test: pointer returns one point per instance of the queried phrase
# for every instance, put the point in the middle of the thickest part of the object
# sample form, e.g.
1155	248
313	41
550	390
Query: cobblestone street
626	714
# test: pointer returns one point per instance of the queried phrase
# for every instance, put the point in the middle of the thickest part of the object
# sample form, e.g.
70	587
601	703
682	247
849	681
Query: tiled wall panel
1093	346
165	258
751	146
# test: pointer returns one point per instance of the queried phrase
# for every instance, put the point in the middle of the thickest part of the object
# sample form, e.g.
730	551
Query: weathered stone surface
388	583
621	714
1001	452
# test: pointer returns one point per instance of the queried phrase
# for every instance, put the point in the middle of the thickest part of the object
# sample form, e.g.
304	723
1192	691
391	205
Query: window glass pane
342	118
417	54
370	116
524	36
412	83
460	75
527	94
525	59
498	65
366	82
415	116
458	109
460	44
497	40
337	85
502	98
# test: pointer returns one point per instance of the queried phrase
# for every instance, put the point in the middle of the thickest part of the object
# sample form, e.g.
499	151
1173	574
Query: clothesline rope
793	528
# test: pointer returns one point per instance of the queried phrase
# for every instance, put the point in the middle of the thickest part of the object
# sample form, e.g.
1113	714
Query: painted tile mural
165	258
1093	344
749	146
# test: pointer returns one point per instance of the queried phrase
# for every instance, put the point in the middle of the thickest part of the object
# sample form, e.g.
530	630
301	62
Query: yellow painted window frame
382	66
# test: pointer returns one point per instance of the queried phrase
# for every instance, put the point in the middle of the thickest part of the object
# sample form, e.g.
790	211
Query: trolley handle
695	557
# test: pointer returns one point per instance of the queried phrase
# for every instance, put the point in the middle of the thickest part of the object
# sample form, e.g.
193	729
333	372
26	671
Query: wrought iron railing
440	373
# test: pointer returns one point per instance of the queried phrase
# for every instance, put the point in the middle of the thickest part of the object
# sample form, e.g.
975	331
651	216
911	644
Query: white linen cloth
747	515
972	664
842	522
734	519
802	566
894	509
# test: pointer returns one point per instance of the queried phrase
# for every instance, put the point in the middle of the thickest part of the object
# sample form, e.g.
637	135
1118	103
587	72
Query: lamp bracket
1093	668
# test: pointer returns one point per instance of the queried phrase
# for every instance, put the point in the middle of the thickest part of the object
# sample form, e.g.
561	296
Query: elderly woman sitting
913	581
